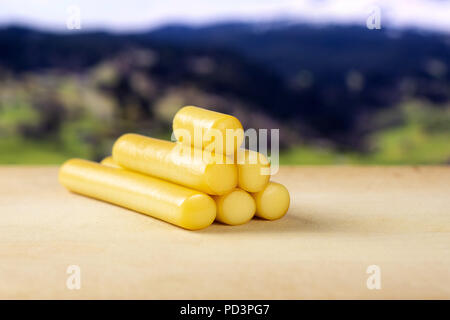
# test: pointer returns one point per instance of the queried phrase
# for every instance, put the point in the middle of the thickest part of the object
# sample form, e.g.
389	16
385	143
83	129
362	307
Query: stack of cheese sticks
202	177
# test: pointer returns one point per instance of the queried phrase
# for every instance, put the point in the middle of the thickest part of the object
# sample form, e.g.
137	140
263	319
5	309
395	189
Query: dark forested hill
322	80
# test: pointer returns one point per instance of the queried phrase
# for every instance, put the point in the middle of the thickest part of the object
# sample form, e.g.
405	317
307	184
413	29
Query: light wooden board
341	220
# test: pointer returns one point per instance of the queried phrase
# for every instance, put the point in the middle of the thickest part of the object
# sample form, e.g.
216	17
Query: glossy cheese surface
177	163
109	161
273	202
201	128
172	203
236	207
253	170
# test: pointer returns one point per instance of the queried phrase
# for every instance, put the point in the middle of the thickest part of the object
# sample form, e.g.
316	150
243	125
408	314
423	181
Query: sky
134	15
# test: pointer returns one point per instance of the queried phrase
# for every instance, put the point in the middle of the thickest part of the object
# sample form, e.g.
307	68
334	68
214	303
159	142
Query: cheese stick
206	129
177	163
169	202
253	170
236	207
273	202
109	162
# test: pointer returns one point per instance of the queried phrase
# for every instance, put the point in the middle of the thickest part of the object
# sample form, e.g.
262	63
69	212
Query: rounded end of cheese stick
109	162
198	212
221	178
236	207
273	202
253	169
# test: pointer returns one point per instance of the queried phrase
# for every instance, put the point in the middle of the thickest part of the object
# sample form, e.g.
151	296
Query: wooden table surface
341	220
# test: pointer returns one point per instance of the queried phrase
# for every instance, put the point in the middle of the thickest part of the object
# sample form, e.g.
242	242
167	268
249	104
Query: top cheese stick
206	129
175	162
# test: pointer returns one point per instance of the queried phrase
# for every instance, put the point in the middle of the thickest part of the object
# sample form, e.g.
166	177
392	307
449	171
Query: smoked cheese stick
236	207
272	202
253	170
206	129
174	162
186	208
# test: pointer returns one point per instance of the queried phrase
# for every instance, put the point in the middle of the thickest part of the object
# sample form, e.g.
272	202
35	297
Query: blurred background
346	81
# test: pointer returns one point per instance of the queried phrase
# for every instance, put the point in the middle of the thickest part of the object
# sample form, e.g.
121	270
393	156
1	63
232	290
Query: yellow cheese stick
177	163
206	129
109	162
172	203
273	202
236	207
253	169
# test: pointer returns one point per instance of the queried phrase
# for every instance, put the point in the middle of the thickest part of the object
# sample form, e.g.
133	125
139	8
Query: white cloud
139	14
